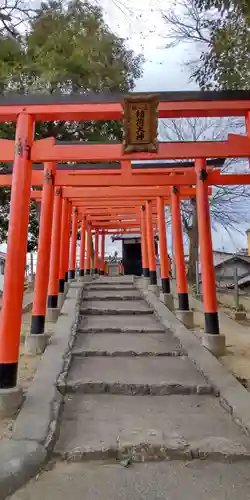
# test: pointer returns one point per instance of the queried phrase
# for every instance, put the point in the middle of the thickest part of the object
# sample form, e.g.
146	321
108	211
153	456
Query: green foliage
221	29
224	5
225	64
70	49
67	48
33	227
10	60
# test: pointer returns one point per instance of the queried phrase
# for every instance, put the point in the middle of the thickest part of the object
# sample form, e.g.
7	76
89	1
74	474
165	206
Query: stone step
115	279
120	324
149	428
109	311
135	375
116	307
112	295
127	344
167	480
110	287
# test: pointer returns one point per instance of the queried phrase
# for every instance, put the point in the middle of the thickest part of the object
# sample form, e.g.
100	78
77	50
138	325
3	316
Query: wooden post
151	244
55	251
180	270
96	257
144	246
67	250
89	250
43	256
82	247
164	262
206	250
63	244
11	316
236	289
72	262
102	268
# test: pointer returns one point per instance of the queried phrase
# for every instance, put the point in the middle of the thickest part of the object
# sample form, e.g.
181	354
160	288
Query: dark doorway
132	261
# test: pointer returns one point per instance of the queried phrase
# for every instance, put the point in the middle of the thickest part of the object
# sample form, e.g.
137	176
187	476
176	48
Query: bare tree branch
15	14
229	205
186	23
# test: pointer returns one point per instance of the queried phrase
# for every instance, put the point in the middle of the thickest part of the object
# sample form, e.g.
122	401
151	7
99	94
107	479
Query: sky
140	22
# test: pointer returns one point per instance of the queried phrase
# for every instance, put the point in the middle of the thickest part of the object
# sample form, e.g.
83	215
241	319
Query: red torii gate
26	110
122	223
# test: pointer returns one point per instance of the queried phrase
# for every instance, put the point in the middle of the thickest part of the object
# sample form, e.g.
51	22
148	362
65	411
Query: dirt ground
226	302
237	357
26	370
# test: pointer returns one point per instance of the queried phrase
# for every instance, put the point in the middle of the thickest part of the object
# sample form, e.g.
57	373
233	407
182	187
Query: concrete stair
132	392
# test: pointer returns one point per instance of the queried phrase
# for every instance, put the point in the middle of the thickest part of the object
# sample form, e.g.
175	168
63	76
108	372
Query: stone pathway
133	395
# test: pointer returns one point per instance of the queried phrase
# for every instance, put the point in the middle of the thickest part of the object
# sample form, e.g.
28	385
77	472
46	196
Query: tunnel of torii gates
105	201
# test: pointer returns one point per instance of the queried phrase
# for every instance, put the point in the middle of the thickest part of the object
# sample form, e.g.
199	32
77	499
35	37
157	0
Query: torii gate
100	222
26	110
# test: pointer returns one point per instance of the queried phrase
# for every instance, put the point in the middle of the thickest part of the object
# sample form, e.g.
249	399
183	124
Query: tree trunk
193	245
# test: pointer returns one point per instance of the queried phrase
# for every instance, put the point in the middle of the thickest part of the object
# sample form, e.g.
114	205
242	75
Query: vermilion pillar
89	250
63	244
144	246
66	262
11	316
55	251
206	250
165	281
102	253
151	244
96	257
181	278
43	257
82	247
248	126
72	261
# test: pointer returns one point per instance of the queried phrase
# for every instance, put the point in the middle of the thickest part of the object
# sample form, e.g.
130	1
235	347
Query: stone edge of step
87	298
162	389
86	330
78	352
110	288
114	312
176	449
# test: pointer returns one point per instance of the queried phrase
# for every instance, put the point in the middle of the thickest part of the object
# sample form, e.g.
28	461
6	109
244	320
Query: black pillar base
183	301
72	274
66	277
81	272
95	271
165	285
145	272
101	273
87	272
212	323
52	301
37	325
61	286
153	277
8	375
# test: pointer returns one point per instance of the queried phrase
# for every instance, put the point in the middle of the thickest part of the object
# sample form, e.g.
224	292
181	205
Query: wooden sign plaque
140	124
